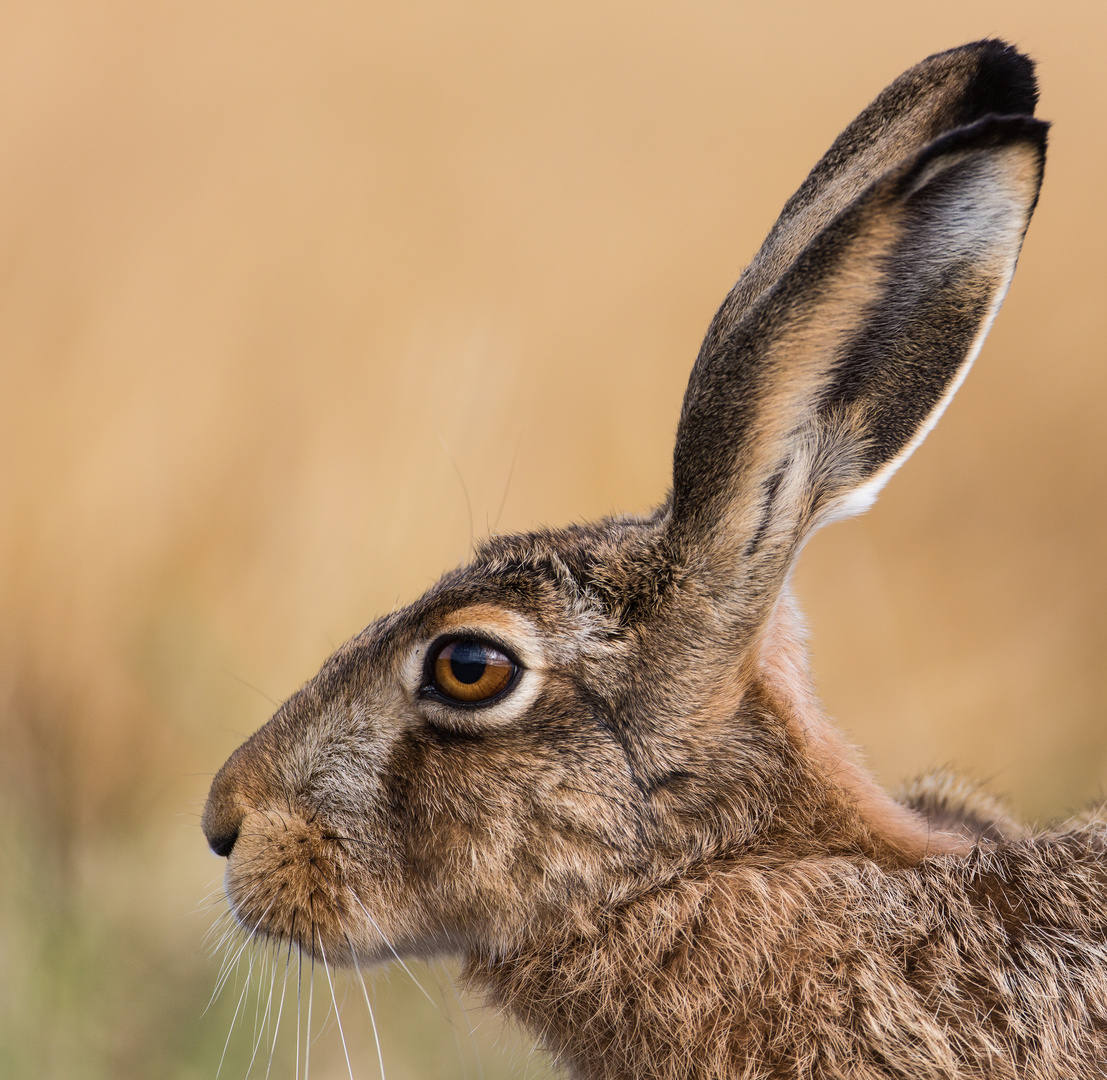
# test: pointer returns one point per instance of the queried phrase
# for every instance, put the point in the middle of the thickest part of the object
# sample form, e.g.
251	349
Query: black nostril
223	843
224	813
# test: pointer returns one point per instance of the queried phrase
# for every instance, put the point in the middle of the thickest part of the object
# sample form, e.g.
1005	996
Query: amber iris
470	671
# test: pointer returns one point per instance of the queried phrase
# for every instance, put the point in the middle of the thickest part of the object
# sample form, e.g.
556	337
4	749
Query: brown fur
652	847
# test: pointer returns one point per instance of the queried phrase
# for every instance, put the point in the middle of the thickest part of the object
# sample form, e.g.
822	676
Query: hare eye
470	671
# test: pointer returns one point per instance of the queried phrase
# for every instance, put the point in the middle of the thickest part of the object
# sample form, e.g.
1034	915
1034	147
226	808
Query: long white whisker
230	958
299	1004
337	1013
311	1001
369	1006
234	1019
280	1008
247	938
217	891
257	1007
221	981
398	959
220	926
226	966
261	1027
225	926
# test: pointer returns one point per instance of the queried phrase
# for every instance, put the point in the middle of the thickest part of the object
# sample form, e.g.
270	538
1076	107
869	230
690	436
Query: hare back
952	803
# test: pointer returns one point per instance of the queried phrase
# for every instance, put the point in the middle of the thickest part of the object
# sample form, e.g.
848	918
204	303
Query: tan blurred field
296	299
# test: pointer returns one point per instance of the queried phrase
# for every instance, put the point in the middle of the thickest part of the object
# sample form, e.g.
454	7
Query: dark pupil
468	660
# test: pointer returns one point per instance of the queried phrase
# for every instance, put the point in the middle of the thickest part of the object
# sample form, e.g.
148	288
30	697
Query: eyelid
514	633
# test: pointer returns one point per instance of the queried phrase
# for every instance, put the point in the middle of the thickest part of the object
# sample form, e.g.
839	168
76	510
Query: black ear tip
1004	82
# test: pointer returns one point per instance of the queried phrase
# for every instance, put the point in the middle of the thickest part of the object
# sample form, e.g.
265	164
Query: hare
591	763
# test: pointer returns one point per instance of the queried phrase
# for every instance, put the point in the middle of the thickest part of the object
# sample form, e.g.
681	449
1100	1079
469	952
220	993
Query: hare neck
888	832
715	975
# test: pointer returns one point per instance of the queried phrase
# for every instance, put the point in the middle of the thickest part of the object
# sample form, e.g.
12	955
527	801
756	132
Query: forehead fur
613	568
601	577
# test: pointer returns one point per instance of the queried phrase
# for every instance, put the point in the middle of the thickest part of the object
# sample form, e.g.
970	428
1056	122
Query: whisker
250	686
257	1005
287	797
369	1006
262	1027
234	1019
507	483
396	955
219	933
227	927
311	1002
337	1013
247	938
228	964
299	1004
280	1008
216	892
464	489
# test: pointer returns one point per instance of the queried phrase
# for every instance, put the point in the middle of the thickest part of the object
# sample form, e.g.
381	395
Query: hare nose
222	841
223	814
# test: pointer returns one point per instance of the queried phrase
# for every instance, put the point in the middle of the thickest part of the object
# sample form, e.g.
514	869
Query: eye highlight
469	671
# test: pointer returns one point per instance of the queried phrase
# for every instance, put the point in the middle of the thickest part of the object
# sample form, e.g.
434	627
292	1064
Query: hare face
389	805
645	703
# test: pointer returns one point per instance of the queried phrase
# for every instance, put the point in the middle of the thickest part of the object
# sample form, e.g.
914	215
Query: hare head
584	717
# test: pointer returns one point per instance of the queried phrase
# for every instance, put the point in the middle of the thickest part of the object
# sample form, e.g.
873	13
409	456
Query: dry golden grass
296	299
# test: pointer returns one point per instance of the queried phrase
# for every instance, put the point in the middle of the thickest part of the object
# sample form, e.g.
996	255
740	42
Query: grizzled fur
651	847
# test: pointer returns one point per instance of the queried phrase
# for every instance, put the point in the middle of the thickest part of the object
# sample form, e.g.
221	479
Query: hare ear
946	91
802	411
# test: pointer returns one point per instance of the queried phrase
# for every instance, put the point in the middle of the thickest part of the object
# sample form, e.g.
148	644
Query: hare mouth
296	881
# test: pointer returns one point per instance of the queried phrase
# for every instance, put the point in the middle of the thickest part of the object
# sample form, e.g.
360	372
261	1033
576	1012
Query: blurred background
296	300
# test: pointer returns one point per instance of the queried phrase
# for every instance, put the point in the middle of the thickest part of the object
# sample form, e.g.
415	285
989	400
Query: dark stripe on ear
772	486
897	372
804	409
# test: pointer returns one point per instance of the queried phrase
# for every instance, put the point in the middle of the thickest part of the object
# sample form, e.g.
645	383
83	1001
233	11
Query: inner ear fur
804	408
